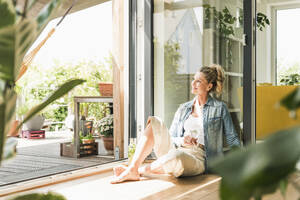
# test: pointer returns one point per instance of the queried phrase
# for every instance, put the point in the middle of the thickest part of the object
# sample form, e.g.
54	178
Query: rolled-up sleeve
231	136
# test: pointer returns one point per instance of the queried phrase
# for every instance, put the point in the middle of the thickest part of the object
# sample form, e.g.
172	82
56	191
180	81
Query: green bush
38	83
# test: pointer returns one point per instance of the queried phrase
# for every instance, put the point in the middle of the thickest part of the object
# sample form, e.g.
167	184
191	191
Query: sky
288	35
83	35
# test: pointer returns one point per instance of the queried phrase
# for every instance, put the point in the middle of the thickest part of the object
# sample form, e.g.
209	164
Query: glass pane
191	34
277	64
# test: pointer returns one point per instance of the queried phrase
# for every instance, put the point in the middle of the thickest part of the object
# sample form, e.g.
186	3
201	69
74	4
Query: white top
193	126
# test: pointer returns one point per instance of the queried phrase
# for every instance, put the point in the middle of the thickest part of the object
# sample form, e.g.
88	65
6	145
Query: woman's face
200	86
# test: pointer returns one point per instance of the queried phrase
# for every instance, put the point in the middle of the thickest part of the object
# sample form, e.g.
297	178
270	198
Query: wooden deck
41	157
204	187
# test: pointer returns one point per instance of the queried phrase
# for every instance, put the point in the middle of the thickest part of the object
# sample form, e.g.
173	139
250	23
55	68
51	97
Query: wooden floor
204	187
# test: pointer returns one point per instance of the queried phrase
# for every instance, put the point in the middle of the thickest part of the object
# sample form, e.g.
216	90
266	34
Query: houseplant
291	79
87	139
106	129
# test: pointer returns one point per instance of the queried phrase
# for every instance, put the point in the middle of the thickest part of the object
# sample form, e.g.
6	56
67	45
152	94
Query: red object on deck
40	134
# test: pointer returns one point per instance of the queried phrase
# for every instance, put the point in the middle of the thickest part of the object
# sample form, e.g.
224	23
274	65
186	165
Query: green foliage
261	21
292	100
10	148
285	70
131	150
261	168
292	79
89	136
37	83
7	13
58	114
222	20
65	88
39	196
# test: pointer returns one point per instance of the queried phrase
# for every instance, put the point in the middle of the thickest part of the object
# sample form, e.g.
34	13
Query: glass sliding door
187	35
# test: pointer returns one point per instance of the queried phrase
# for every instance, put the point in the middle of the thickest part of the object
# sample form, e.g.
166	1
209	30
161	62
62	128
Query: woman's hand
189	140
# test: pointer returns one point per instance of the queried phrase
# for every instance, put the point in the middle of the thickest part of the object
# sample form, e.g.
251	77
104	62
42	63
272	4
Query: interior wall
263	49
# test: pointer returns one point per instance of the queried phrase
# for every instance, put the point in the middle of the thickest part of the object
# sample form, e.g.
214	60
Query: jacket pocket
214	125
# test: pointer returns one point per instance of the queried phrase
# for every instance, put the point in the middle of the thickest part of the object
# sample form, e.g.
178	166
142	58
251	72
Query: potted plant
88	139
87	144
106	129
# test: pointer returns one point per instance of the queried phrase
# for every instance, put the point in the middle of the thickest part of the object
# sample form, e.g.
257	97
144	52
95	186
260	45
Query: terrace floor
41	157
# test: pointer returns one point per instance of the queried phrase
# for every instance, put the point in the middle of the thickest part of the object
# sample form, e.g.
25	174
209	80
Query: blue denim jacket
217	123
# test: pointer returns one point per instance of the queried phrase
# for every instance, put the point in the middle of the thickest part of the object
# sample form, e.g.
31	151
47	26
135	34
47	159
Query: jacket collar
209	101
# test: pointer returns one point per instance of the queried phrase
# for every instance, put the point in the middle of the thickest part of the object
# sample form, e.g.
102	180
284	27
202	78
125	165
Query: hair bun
220	78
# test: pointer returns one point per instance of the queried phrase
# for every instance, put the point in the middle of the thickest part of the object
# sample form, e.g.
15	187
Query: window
288	44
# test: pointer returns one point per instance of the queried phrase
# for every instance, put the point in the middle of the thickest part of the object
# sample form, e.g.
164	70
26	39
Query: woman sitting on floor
195	136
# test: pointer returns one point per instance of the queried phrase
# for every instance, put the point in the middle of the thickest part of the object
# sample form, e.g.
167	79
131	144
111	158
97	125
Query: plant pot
106	89
67	149
108	142
35	123
88	141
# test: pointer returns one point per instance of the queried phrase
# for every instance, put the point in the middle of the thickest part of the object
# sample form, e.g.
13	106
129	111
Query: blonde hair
214	74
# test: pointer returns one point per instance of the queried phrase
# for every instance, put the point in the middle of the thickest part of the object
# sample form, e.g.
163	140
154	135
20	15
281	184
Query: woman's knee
151	120
176	154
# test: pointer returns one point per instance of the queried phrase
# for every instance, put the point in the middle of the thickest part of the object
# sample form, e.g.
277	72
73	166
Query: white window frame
273	8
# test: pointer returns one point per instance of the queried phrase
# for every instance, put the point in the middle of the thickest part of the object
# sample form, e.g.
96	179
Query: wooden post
118	75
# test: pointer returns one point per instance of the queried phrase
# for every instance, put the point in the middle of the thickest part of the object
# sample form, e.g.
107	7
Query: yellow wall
269	116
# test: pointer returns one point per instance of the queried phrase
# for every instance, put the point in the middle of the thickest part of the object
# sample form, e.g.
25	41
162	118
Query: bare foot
129	174
119	169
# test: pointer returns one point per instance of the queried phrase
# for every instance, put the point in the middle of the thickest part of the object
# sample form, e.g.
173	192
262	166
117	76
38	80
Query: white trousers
182	161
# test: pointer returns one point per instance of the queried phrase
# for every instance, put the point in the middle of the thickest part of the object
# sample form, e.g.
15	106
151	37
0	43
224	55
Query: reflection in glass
187	35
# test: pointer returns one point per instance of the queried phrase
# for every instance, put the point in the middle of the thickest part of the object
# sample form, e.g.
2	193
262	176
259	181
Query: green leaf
39	196
48	11
283	186
26	33
292	100
64	89
7	110
2	129
7	13
258	169
10	148
7	50
14	43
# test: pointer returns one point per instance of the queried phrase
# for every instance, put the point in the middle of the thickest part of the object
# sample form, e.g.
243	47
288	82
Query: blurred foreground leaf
64	89
38	196
292	100
10	148
259	168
